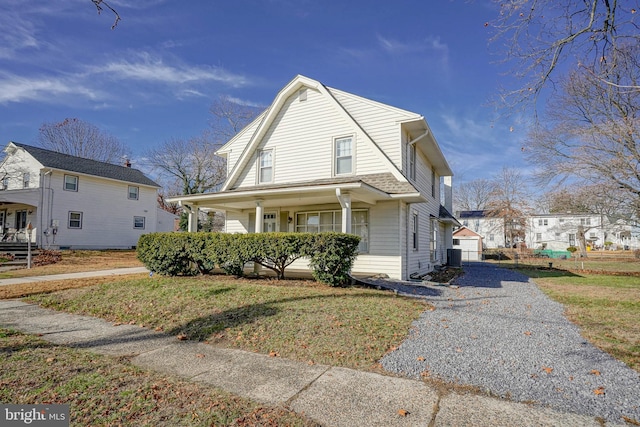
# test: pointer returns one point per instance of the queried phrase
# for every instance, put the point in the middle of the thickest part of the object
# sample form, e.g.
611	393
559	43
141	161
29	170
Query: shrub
166	253
204	250
332	256
277	251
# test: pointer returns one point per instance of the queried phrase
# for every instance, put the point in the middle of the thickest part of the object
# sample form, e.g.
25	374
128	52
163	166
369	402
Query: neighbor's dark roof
66	162
472	214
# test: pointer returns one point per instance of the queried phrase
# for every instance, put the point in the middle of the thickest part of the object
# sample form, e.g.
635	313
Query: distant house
72	202
469	242
320	159
489	228
558	231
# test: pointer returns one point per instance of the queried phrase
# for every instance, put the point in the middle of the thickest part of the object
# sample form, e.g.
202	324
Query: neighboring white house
490	229
320	159
75	203
559	231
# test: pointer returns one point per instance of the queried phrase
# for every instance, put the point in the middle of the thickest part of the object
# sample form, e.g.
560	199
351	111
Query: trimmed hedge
330	254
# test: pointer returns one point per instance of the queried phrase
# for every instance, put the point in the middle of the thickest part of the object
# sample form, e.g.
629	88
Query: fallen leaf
200	355
458	349
50	359
181	337
117	324
403	412
527	333
598	391
311	363
420	359
547	369
595	372
158	328
273	354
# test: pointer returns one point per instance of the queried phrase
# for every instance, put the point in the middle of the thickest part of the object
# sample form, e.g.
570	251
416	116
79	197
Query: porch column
259	216
259	229
345	203
192	212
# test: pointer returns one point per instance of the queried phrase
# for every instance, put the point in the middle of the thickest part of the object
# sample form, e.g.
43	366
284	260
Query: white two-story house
320	159
64	201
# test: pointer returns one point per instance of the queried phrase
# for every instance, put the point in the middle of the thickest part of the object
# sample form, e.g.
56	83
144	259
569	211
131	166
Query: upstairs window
133	192
415	231
5	183
70	183
412	161
265	167
433	182
25	180
344	155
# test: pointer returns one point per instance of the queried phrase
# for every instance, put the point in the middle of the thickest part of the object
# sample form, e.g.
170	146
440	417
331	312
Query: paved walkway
332	396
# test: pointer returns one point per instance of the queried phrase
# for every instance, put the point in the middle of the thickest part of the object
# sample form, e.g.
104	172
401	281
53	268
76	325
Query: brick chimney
127	162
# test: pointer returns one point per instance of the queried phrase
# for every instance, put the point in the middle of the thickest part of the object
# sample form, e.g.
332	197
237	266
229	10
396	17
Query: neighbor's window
456	242
491	237
25	180
265	173
572	239
70	183
314	222
133	192
538	237
5	183
138	222
75	219
344	155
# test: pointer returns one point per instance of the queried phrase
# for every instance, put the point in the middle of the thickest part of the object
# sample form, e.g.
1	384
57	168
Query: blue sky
156	75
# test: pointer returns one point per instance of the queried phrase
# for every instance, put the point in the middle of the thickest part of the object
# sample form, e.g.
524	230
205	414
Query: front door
269	224
21	220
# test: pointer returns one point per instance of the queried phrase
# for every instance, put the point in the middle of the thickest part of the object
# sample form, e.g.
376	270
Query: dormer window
344	155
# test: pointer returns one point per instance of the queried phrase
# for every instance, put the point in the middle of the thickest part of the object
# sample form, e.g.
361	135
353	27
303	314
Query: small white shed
469	242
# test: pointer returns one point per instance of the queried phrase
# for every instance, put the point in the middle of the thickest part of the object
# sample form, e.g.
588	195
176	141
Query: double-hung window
412	161
313	222
71	183
133	192
265	166
344	155
75	219
414	232
25	180
138	222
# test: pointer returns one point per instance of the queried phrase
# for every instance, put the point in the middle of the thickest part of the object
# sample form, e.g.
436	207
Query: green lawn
300	320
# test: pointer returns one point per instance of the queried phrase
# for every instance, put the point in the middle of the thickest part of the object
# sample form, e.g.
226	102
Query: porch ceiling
237	200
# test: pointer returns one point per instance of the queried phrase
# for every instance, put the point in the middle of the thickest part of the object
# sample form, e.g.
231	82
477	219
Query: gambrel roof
66	162
263	123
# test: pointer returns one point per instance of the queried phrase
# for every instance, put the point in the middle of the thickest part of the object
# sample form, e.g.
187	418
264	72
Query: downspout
345	204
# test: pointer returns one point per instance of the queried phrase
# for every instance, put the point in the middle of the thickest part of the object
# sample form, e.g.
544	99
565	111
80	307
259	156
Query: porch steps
18	250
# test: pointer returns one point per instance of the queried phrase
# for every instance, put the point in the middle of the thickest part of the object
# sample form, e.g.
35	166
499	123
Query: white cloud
43	89
153	69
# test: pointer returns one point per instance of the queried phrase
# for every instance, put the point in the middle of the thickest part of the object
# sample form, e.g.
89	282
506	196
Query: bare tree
510	203
230	117
473	195
82	139
545	37
591	131
191	165
100	5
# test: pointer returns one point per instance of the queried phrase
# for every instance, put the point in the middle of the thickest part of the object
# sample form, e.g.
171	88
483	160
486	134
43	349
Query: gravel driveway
500	333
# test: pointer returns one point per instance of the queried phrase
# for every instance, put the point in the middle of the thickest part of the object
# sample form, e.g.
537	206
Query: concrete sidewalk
329	395
70	276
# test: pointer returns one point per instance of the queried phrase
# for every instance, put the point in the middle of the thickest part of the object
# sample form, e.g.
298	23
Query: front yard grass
605	307
300	320
106	391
